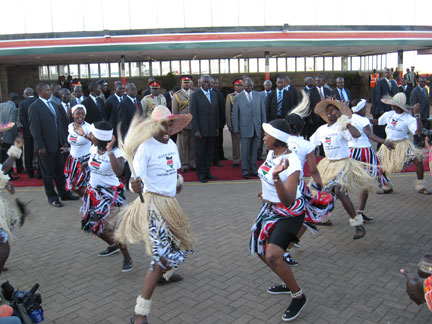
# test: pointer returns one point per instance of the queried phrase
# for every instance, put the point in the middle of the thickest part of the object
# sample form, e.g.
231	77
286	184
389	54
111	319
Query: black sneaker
288	259
127	266
110	250
280	289
367	219
294	309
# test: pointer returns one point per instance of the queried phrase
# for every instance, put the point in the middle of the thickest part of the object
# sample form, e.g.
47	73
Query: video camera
26	304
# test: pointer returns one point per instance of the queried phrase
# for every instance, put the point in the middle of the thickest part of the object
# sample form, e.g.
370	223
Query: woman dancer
104	190
337	169
80	142
399	123
282	213
361	150
159	221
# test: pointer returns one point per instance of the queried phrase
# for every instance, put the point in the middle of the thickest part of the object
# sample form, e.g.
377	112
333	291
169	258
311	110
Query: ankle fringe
142	306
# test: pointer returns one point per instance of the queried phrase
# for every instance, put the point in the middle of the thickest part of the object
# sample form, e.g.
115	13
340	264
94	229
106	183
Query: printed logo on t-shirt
170	162
327	140
73	138
394	122
95	164
265	168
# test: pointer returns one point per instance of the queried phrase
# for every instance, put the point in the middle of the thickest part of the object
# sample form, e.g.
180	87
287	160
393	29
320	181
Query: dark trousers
218	151
419	140
204	149
4	147
28	155
52	166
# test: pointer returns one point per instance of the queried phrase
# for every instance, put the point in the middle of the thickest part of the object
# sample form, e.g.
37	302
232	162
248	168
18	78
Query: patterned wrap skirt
75	177
316	211
367	155
97	205
268	216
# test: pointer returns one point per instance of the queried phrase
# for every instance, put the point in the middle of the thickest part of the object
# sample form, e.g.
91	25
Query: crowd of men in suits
44	117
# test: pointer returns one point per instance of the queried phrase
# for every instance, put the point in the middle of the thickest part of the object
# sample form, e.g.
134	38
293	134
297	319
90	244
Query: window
175	67
185	67
310	64
234	66
84	71
337	63
319	64
135	70
300	63
328	64
291	64
261	64
214	66
145	68
114	70
253	65
195	66
64	70
165	67
224	66
104	70
205	67
53	72
243	65
126	70
73	70
155	68
94	70
43	72
281	64
355	65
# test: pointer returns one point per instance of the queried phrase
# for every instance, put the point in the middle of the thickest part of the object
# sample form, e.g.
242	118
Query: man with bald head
23	115
267	88
341	93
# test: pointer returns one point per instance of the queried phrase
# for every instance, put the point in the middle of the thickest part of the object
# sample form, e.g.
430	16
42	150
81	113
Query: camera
26	304
427	133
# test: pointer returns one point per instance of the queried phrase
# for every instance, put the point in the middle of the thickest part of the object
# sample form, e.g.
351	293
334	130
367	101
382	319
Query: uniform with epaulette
229	105
185	138
152	100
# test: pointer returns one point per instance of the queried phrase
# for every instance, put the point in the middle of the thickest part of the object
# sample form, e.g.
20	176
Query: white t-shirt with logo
334	141
80	146
265	172
398	125
156	164
360	123
101	172
301	147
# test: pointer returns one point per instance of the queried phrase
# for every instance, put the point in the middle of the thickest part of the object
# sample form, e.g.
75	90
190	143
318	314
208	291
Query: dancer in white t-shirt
80	142
337	169
104	191
399	123
361	150
159	221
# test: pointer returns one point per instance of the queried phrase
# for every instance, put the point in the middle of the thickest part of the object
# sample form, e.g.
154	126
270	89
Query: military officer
152	100
229	104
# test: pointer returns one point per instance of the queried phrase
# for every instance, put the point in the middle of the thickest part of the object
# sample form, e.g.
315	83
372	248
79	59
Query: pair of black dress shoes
249	175
56	202
207	178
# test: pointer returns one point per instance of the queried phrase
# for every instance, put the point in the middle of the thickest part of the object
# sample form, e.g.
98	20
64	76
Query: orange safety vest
373	80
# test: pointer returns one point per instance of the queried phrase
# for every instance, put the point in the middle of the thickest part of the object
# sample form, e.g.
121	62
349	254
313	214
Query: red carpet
227	172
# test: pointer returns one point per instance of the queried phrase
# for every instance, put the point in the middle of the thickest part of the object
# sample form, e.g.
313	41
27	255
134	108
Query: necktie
99	108
136	104
67	108
425	92
51	108
208	96
279	102
249	97
342	96
120	99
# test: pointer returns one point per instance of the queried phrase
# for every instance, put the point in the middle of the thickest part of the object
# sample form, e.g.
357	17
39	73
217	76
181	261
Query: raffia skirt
398	159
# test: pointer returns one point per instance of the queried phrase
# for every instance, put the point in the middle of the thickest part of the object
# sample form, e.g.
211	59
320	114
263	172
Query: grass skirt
349	174
133	223
398	159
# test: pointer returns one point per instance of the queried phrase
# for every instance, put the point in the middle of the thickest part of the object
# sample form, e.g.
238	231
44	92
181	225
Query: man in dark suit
65	111
219	152
94	104
384	87
279	101
23	112
312	121
112	105
204	107
292	90
249	115
267	89
46	129
420	97
341	93
406	88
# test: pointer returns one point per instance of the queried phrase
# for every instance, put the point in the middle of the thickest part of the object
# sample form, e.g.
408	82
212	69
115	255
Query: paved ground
346	281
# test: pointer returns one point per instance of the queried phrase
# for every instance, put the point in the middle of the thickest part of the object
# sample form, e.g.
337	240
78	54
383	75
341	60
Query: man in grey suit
249	114
9	114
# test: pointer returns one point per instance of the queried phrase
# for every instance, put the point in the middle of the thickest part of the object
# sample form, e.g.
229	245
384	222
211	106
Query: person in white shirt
104	191
159	221
337	169
361	150
398	124
282	212
80	142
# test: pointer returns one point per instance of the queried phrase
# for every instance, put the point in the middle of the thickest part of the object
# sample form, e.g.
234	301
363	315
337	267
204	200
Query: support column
122	70
267	65
345	63
400	64
4	91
